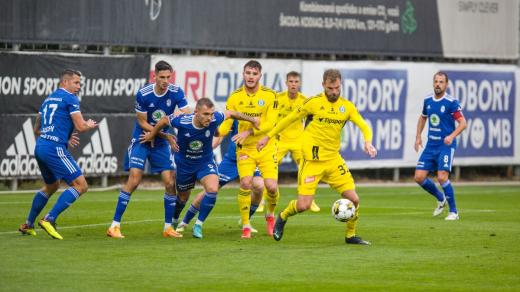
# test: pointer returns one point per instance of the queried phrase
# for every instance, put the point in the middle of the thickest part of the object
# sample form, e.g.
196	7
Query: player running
195	157
442	111
255	100
289	140
57	118
153	102
326	114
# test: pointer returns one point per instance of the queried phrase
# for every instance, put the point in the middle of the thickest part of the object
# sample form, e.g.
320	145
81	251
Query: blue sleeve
174	121
424	113
180	98
140	103
455	106
219	117
72	104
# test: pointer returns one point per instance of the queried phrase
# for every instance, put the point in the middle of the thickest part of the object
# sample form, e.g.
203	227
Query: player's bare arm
80	124
418	140
370	149
461	125
74	140
240	116
242	136
37	125
148	136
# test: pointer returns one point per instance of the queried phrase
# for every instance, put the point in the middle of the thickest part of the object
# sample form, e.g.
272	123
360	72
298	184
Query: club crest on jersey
442	109
196	145
261	102
207	133
168	102
158	114
341	109
435	120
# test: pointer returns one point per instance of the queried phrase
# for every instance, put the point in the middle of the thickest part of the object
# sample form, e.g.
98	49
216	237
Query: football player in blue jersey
227	172
194	159
58	117
153	102
441	111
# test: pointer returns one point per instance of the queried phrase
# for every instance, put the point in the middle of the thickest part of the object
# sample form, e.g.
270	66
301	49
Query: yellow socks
289	211
271	202
244	204
351	225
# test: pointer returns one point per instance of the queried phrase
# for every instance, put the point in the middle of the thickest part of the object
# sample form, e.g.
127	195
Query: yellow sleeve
285	122
225	127
230	105
270	119
357	119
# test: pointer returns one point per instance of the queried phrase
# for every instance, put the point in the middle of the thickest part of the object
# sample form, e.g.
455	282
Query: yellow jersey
262	104
324	122
286	106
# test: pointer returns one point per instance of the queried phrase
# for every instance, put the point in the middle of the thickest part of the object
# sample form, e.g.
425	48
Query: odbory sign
380	96
488	103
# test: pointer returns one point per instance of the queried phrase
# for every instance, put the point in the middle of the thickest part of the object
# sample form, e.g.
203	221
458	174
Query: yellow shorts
334	172
248	159
295	148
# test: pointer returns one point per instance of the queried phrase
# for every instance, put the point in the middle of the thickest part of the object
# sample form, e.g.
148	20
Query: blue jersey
441	114
231	153
195	144
56	122
156	107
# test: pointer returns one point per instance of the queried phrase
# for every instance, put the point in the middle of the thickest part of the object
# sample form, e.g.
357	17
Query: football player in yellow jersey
290	137
326	115
255	100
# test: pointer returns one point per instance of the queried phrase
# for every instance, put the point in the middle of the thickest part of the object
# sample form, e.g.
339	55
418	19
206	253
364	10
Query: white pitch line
108	224
236	216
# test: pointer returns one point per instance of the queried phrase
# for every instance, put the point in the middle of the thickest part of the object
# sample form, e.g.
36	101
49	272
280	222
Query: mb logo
155	8
97	155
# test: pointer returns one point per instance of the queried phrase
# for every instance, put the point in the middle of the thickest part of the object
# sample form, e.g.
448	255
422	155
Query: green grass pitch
411	250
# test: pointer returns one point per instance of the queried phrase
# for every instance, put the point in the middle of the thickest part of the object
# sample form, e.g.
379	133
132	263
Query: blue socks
450	195
122	202
38	203
66	199
178	209
192	211
252	210
169	207
429	186
207	204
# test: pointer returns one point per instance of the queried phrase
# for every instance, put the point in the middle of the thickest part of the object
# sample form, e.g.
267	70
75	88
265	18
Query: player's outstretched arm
418	139
80	124
149	136
240	116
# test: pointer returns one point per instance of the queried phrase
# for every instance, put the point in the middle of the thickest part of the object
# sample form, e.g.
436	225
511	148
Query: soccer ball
343	210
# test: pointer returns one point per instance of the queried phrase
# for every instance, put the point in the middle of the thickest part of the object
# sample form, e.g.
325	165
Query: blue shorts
189	172
228	172
436	158
56	163
160	157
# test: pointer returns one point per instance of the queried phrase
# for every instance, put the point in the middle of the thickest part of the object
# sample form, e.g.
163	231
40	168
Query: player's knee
169	187
246	184
81	187
272	189
419	178
303	205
